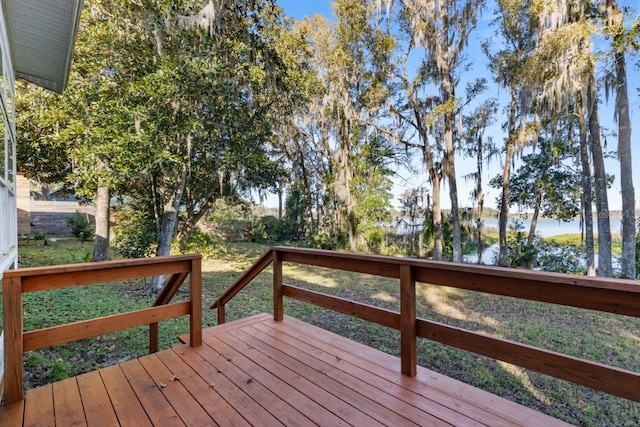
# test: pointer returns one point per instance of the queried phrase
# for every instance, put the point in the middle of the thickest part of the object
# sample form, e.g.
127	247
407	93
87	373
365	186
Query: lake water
545	228
552	227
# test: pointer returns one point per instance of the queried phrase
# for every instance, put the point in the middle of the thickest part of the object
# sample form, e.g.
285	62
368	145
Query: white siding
8	209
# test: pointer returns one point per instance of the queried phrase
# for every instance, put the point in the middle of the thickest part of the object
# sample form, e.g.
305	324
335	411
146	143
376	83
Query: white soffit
42	35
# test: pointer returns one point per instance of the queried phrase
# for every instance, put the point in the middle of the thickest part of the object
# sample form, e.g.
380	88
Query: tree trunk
168	224
480	198
280	197
437	218
421	252
351	232
602	202
191	221
626	171
101	241
504	208
534	218
448	88
506	176
587	202
450	173
45	192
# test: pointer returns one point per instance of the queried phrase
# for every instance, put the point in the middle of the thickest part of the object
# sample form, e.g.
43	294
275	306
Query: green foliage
271	229
205	245
519	252
561	258
40	235
371	191
80	227
135	232
42	153
638	248
547	180
544	254
295	212
322	241
373	236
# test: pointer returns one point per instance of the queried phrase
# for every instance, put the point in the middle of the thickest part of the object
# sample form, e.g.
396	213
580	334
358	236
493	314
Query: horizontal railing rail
20	281
606	295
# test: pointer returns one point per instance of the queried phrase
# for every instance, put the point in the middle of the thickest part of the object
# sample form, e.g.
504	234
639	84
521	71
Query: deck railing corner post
153	338
13	344
195	296
221	313
408	337
278	297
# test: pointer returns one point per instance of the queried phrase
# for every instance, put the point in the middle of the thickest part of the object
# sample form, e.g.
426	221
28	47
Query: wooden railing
607	295
17	282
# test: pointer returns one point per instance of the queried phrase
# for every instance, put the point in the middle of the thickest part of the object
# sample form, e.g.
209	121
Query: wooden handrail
17	282
258	266
606	295
603	294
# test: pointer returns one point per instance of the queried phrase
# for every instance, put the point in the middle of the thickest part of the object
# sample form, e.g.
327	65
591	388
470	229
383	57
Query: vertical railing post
153	338
408	351
278	297
221	314
13	374
195	296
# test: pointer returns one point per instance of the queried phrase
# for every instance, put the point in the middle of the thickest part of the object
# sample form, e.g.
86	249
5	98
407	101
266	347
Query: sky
406	180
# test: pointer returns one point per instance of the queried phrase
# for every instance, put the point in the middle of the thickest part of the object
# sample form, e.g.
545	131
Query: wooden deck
256	371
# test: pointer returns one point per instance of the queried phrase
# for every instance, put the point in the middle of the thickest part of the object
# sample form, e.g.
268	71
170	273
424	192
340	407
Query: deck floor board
382	406
95	400
259	372
67	404
39	407
147	390
128	408
350	375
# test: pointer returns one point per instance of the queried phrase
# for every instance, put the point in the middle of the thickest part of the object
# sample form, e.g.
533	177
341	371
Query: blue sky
301	8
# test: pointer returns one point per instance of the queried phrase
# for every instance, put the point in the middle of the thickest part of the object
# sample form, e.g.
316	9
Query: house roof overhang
41	37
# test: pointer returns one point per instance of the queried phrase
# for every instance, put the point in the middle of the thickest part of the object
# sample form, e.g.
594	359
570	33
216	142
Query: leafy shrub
271	229
323	241
205	244
561	258
80	227
135	234
40	235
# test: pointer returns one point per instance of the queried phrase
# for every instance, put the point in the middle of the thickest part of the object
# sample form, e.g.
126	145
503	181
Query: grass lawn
611	339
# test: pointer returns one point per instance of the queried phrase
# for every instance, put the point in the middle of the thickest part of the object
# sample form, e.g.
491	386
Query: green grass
606	338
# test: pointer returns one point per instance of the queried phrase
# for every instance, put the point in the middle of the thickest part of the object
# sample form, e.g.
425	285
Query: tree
418	128
414	207
42	154
371	187
350	59
615	27
547	184
442	29
518	28
483	149
563	56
